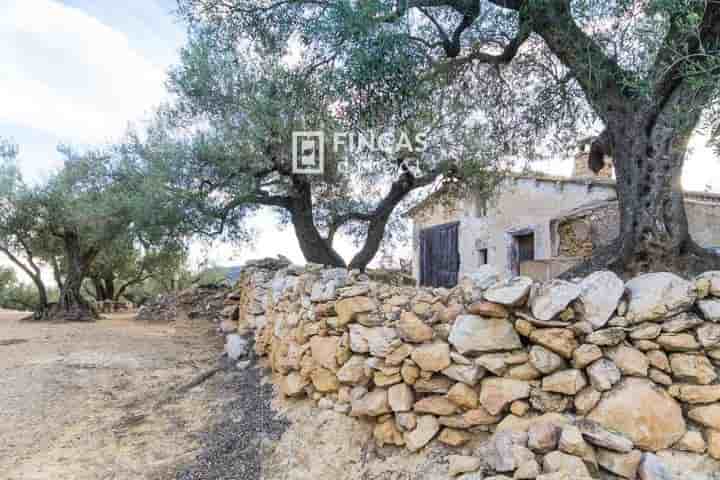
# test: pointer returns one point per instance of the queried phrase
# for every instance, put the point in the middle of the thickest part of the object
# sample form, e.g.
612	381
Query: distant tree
227	139
640	73
15	295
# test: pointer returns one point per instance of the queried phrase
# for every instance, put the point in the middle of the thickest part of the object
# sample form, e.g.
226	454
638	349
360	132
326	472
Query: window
526	247
482	257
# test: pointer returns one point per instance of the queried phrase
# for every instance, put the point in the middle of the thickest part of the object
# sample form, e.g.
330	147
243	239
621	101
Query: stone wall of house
579	236
575	380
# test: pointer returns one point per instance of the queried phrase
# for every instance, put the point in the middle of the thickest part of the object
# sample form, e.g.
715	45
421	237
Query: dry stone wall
574	379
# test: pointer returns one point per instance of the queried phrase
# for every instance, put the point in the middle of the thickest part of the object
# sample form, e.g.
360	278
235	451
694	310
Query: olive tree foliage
227	139
641	74
23	239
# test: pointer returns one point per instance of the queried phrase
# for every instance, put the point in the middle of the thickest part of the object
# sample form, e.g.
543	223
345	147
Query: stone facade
561	374
568	218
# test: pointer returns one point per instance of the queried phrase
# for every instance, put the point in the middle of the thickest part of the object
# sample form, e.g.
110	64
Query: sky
81	71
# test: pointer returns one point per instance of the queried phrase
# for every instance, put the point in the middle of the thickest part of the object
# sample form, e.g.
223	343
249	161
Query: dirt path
76	400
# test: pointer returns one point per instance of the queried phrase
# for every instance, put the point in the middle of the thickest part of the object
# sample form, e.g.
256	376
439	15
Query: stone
692	368
236	346
496	363
682	322
586	400
543	437
406	421
388	433
709	335
710	309
625	410
601	437
498	452
646	331
324	380
623	464
658	376
436	405
474	334
692	441
348	308
553	299
567	382
527	466
526	371
546	361
559	340
479	416
498	393
547	402
600	293
397	356
572	442
645	345
659	360
381	379
488	309
680	342
426	429
323	351
698	393
511	293
293	384
458	464
372	404
655	296
412	329
434	384
378	341
432	357
603	374
409	374
468	374
524	327
652	468
401	398
586	354
450	313
607	337
519	408
354	371
713	280
713	440
629	360
562	462
454	437
463	396
707	415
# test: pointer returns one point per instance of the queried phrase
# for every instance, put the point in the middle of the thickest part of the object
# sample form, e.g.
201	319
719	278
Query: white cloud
67	73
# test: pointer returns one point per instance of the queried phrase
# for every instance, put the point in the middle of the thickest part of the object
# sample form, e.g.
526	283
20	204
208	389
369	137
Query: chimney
583	168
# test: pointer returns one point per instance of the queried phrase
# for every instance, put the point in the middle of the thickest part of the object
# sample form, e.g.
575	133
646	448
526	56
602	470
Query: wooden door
439	255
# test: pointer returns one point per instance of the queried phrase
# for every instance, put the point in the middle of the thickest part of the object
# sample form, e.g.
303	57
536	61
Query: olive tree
641	74
227	141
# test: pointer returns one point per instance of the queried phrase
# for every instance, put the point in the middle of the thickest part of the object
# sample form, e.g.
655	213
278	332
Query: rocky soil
91	401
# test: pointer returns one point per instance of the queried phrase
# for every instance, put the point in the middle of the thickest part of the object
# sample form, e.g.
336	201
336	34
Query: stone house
538	226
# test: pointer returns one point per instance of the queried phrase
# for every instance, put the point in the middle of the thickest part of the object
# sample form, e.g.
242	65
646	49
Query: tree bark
315	248
72	306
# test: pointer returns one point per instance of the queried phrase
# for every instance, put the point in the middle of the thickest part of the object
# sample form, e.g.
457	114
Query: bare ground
80	401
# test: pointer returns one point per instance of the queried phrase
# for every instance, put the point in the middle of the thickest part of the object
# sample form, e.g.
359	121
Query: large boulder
625	409
600	294
654	296
511	293
474	334
553	299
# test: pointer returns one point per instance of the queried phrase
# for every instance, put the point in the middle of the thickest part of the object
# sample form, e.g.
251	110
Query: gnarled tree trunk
72	306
